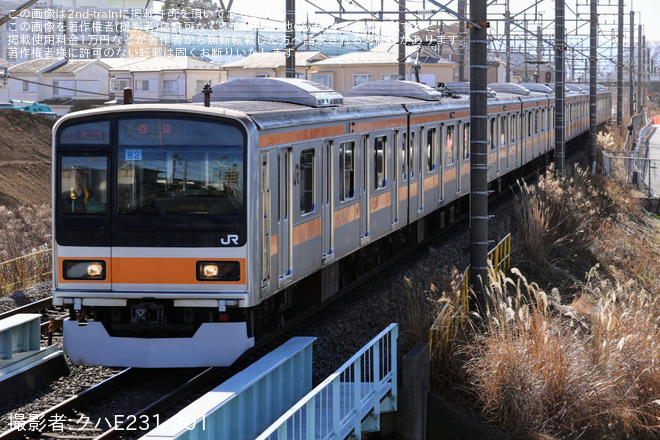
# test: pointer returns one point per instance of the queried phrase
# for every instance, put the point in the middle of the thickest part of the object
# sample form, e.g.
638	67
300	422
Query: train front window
83	182
179	167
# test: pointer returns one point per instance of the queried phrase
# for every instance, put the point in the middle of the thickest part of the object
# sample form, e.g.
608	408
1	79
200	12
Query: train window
450	144
466	140
380	143
84	186
179	166
346	171
529	124
431	148
513	131
503	131
411	155
404	162
492	136
306	181
536	121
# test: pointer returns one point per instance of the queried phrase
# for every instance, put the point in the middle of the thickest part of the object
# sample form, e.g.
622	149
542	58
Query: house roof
73	66
272	60
387	54
37	66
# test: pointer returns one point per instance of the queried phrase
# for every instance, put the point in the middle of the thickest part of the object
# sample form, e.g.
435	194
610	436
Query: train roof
280	102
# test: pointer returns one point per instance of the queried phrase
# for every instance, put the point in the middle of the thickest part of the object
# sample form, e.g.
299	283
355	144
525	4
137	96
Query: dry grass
23	230
579	357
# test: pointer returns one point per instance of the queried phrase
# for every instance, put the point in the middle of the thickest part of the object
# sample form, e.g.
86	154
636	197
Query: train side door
327	207
265	223
365	192
413	175
284	221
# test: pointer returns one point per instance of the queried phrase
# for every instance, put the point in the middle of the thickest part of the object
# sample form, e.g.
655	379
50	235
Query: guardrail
248	402
444	330
25	271
348	402
499	256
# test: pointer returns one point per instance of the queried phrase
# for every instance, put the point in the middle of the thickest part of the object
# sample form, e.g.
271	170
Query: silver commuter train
182	232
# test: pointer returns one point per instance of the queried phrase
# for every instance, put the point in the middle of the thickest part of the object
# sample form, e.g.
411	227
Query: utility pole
539	52
479	151
631	84
290	51
560	48
461	48
640	69
526	78
619	70
593	80
507	32
402	37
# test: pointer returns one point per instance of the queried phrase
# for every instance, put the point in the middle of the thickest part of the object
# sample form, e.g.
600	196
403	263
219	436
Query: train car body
182	232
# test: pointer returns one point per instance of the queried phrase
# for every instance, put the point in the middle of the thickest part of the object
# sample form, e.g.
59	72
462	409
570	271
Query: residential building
342	72
272	64
59	82
164	79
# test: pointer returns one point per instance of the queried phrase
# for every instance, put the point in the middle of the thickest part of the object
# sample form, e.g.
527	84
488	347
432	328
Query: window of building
142	85
170	87
120	84
361	78
307	181
322	78
199	85
346	171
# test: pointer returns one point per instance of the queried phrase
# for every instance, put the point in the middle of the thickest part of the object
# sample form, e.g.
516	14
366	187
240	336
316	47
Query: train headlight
84	270
218	271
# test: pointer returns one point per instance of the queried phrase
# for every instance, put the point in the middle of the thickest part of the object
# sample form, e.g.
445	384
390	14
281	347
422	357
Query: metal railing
348	402
247	403
499	256
25	271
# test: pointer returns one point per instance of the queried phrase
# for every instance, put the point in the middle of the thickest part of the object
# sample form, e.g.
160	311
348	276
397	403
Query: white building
164	79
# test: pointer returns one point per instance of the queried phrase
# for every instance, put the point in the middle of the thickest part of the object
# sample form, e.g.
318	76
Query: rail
348	402
25	271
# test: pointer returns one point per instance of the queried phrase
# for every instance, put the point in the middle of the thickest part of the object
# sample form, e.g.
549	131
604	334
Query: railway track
51	317
144	395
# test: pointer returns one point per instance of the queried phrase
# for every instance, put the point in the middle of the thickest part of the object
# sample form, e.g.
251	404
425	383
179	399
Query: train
183	233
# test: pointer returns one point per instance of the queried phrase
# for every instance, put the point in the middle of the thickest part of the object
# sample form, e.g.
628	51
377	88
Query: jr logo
229	239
